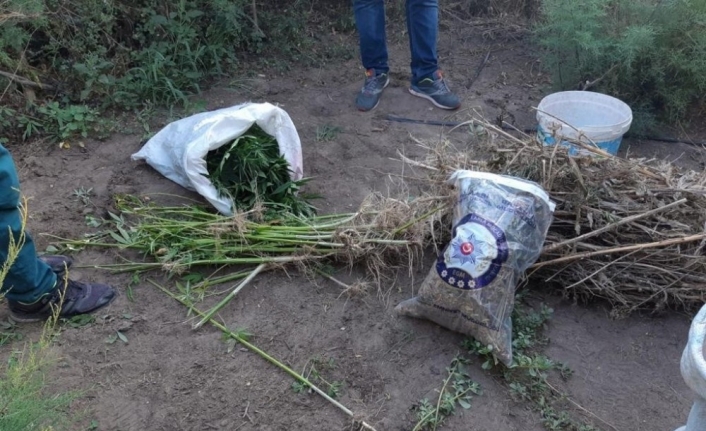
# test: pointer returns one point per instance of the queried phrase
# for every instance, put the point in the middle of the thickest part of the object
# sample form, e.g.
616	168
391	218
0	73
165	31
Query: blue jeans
29	278
422	27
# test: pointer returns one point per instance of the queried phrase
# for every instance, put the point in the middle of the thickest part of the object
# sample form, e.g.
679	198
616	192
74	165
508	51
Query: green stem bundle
180	238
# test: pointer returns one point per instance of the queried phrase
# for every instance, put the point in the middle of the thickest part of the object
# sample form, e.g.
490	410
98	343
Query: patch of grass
139	55
327	133
528	377
83	194
312	372
80	321
70	121
9	333
24	401
457	391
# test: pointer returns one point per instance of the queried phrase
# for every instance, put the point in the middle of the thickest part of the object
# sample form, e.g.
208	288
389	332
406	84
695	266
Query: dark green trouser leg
29	278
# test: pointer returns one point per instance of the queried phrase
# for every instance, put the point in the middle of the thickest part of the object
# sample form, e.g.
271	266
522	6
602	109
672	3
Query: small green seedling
327	133
84	195
457	390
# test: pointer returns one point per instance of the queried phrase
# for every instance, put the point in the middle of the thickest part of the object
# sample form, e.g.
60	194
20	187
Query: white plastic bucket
598	117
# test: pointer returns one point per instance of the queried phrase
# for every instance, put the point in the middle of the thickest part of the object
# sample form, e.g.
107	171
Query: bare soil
169	377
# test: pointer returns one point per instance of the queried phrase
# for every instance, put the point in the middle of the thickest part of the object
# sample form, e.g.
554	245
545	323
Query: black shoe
369	95
78	298
58	263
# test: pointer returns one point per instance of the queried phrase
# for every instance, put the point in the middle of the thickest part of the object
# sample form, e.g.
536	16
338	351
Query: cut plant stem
418	219
264	355
657	244
231	295
612	226
441	395
428	415
210	281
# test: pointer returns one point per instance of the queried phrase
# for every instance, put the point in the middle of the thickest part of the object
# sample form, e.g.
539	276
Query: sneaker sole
24	319
376	105
431	99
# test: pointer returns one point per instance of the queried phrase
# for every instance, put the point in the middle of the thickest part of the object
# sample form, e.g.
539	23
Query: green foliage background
129	54
125	53
120	51
650	53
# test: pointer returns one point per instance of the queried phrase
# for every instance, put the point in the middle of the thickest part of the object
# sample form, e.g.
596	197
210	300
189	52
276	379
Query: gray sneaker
369	95
437	91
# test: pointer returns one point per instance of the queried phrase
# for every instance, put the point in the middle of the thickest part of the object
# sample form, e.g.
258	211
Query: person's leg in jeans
423	29
29	278
34	288
370	21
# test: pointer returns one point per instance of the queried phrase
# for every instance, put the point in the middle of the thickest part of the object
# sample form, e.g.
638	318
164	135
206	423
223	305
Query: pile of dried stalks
631	231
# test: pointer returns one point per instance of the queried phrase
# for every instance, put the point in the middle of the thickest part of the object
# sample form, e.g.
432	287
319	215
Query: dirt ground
169	377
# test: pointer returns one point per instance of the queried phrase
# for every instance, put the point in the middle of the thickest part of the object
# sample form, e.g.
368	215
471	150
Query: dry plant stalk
631	231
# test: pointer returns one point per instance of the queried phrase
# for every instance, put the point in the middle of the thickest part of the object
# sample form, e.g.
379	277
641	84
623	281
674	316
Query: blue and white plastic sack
499	227
179	150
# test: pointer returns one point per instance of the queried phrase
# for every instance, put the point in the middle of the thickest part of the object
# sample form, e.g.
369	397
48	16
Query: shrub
649	53
126	51
91	55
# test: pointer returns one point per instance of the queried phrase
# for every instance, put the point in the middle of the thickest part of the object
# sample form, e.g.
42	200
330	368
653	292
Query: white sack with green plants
180	152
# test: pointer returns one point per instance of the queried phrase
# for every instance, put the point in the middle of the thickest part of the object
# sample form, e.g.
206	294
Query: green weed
457	390
67	122
24	402
29	126
313	370
92	221
327	133
8	332
135	280
83	194
142	54
527	378
79	321
231	340
117	335
7	118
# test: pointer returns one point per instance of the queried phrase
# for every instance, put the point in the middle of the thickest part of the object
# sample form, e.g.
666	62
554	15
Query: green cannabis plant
251	171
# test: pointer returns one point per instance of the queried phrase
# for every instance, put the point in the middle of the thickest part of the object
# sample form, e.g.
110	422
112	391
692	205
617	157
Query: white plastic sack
179	150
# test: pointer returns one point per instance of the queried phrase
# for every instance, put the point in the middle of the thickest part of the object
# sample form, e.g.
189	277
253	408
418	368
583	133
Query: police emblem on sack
475	255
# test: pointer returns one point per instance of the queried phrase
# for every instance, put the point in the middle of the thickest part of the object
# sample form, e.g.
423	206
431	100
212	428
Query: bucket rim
549	98
544	115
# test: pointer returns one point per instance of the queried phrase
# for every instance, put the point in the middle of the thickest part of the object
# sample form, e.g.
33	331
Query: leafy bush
123	53
126	51
649	53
